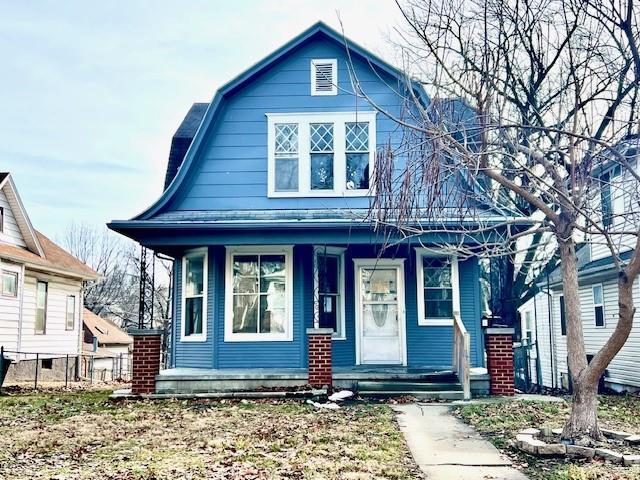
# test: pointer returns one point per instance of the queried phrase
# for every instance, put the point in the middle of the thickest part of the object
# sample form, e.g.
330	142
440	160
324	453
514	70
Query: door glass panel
380	320
379	285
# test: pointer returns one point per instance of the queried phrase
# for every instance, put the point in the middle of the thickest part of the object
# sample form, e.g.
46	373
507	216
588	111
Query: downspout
538	364
20	310
551	343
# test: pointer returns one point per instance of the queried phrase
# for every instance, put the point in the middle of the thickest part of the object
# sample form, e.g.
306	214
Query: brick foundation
499	343
320	373
146	360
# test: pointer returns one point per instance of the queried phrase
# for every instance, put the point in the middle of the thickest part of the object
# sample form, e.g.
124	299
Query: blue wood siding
231	171
426	346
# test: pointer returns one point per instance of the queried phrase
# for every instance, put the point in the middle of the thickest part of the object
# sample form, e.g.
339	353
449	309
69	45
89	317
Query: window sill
440	322
252	337
338	338
321	194
194	338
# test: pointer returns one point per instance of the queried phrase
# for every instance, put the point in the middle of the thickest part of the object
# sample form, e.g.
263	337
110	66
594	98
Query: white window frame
334	76
304	119
194	337
229	335
16	276
604	312
43	331
66	314
341	333
455	286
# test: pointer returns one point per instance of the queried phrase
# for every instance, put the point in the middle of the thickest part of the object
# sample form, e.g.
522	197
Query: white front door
380	312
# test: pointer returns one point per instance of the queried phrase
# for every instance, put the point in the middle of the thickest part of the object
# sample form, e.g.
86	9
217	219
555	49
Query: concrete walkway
447	449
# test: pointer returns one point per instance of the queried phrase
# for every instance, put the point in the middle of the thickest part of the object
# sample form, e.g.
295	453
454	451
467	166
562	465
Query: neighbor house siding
56	339
11	231
623	369
231	171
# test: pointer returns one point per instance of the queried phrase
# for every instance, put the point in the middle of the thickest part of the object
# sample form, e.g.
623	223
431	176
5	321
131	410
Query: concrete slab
445	448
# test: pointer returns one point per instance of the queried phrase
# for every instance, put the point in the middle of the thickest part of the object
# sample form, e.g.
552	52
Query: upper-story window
611	196
321	154
324	76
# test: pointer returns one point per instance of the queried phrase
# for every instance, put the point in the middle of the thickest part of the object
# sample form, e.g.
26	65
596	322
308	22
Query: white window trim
304	159
604	312
455	285
334	76
66	313
229	335
195	337
17	277
337	252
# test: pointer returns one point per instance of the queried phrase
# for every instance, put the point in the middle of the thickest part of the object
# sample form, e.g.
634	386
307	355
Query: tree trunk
583	421
582	426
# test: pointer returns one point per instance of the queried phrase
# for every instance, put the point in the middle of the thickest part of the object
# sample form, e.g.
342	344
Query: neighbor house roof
55	259
107	332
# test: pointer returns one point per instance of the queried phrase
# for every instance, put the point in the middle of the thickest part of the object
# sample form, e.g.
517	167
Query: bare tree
545	103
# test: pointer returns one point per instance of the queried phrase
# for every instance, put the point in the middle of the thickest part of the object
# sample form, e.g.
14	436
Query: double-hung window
320	154
611	196
9	284
598	305
71	312
194	299
329	286
286	157
437	288
42	289
258	298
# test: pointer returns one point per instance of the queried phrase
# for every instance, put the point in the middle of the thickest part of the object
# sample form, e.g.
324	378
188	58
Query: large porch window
194	299
258	298
437	288
329	289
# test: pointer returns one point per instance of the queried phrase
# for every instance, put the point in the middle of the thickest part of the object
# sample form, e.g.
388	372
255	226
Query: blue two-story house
265	210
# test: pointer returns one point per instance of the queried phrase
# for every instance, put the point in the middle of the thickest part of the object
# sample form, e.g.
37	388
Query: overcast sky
91	91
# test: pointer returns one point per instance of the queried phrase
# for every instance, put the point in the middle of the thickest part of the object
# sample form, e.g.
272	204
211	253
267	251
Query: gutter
44	268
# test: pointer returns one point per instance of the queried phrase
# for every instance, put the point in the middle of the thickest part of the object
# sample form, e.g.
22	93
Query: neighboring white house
598	290
106	348
40	290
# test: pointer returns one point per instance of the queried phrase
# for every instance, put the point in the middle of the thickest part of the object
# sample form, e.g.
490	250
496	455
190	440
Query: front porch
365	380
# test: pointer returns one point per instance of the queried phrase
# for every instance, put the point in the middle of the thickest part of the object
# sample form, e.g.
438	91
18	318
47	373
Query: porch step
420	395
408	386
443	390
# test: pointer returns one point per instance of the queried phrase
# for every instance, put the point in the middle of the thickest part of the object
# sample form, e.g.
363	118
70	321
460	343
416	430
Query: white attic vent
324	77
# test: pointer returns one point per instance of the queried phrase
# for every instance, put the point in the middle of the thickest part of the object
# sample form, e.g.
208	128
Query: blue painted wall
231	171
426	346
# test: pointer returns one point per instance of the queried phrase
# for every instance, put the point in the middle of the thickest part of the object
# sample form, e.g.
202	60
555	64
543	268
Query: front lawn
83	435
501	421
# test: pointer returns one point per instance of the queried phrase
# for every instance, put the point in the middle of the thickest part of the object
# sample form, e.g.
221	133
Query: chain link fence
39	368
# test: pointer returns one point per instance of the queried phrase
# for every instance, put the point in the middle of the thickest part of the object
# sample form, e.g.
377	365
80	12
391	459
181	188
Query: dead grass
500	422
81	435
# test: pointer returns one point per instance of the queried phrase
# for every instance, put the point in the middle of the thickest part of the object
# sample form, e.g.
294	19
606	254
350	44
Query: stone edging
528	441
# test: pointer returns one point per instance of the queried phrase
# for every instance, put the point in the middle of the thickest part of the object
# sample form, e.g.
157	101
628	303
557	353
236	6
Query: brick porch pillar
320	373
499	343
146	360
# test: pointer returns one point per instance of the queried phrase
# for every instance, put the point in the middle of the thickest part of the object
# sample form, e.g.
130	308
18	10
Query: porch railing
461	353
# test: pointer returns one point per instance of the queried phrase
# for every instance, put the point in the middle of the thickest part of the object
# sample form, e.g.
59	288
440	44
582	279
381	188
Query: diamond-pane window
357	136
321	136
286	138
